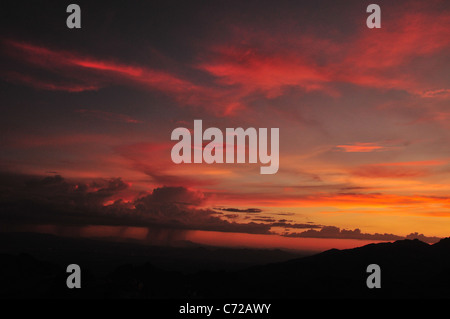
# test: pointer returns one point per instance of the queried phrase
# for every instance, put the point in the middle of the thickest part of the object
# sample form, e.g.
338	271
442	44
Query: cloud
374	171
137	155
416	163
344	200
237	210
399	169
285	224
31	141
443	93
264	219
433	116
176	195
90	70
336	232
29	200
59	70
270	60
255	70
53	200
108	116
361	148
72	86
423	238
252	61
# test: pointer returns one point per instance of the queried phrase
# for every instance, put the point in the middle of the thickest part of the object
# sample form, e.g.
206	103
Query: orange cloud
338	200
415	163
361	147
398	169
374	171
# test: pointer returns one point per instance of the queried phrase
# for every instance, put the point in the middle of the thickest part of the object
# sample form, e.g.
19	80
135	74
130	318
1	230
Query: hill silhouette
103	256
409	269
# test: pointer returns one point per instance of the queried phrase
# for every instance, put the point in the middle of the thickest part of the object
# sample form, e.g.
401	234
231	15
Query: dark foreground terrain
409	269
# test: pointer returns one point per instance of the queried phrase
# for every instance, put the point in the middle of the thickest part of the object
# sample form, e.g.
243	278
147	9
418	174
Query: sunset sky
364	119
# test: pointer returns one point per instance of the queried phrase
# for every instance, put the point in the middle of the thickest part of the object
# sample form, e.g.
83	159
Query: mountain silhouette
409	269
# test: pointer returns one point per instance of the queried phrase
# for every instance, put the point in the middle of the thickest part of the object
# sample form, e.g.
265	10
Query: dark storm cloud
54	200
295	225
237	210
264	219
231	216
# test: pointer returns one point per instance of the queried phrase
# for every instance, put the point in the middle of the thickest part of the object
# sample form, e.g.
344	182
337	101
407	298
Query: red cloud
50	85
269	62
88	73
104	66
415	163
108	70
255	70
253	63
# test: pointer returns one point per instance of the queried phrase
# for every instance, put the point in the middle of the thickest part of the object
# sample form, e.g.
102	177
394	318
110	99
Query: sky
363	116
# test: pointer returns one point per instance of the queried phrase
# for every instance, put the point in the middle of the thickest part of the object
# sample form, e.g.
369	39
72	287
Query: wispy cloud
361	148
108	116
